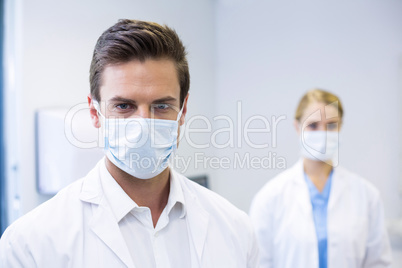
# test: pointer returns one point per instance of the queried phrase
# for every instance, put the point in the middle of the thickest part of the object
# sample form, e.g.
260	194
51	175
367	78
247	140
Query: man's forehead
147	69
135	80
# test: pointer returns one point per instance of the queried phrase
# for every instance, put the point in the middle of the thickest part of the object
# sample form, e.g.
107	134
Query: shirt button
156	234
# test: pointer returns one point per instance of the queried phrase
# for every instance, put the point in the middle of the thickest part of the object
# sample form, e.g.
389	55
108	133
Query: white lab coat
281	213
76	229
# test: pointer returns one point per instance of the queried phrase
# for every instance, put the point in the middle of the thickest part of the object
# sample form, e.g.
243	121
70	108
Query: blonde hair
318	95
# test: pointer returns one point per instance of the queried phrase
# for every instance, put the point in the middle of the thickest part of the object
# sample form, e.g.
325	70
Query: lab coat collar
338	185
197	217
302	192
120	203
91	190
104	225
103	222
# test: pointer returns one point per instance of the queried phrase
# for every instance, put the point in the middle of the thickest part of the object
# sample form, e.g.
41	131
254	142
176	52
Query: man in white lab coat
132	210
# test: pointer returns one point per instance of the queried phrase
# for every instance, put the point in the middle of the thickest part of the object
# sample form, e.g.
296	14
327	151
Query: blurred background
247	58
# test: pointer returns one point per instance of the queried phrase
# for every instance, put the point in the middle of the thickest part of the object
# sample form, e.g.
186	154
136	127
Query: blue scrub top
319	203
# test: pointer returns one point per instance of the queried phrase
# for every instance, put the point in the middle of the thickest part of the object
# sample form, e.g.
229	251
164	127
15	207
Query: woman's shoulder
276	186
356	182
286	177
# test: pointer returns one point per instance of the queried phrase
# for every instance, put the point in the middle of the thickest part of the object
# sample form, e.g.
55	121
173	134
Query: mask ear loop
97	107
179	114
181	135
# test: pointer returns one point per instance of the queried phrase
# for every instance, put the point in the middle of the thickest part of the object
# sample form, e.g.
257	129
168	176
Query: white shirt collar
121	204
176	197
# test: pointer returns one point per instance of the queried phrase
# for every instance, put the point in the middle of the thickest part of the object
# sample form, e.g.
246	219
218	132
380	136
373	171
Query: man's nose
143	111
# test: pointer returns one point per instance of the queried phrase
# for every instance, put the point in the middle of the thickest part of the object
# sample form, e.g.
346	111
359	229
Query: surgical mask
140	147
320	145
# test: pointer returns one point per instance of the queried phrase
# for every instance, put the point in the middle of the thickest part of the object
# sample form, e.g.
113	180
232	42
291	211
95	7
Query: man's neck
152	193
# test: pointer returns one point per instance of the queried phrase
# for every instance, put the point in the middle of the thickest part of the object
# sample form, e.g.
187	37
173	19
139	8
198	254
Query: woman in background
315	214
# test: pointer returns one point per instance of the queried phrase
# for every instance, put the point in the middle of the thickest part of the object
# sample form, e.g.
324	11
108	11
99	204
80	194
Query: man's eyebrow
121	99
161	100
165	99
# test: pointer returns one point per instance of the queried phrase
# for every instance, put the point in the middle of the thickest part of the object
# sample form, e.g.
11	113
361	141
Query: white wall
57	40
270	52
265	54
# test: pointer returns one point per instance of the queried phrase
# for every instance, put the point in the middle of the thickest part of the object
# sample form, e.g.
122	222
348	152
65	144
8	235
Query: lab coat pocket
355	241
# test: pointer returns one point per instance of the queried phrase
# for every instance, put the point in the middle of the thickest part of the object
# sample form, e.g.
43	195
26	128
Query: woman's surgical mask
140	147
320	145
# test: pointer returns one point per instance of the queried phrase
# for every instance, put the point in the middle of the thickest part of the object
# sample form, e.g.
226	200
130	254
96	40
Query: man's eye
162	106
123	106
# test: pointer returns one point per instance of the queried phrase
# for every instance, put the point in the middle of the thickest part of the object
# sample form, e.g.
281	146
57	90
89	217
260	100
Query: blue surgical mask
140	147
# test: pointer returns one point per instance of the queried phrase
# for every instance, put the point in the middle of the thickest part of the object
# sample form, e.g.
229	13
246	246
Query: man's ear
183	114
93	112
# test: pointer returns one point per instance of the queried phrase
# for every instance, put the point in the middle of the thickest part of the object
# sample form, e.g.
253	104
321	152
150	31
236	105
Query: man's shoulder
209	200
47	217
223	216
52	227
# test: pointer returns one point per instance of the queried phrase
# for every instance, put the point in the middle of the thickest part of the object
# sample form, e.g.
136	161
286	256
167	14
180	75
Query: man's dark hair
129	40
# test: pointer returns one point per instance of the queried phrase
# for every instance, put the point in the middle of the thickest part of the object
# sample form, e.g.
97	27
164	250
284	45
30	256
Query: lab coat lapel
302	194
103	222
104	225
197	219
337	214
338	188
